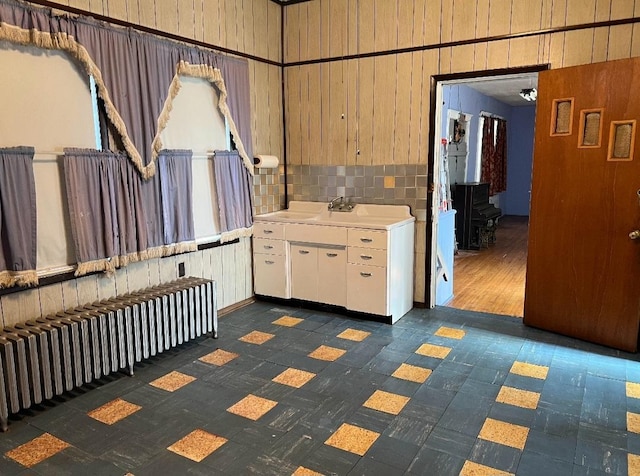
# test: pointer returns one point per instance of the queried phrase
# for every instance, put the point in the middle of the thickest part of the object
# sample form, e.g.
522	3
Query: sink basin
363	215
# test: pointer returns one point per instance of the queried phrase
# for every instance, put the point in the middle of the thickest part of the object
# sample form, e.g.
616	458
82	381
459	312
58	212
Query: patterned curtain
494	154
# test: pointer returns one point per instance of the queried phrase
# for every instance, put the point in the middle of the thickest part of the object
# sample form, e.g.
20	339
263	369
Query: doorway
488	277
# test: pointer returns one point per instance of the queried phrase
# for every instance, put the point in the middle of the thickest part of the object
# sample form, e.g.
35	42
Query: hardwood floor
492	279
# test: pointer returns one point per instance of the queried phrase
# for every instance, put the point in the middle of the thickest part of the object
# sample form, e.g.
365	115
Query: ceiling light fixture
529	94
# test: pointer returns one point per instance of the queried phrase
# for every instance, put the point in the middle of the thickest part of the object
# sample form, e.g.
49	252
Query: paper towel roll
266	162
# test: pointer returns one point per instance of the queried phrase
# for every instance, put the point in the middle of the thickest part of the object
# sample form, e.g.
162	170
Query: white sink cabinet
361	260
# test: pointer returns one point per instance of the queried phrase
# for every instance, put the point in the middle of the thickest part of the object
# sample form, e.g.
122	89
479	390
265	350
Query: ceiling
505	89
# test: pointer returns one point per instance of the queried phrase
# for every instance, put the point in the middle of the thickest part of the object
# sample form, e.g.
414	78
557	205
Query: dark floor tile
429	461
556	423
370	467
409	430
452	442
370	419
394	452
512	414
73	461
330	460
494	455
556	447
600	456
535	464
171	463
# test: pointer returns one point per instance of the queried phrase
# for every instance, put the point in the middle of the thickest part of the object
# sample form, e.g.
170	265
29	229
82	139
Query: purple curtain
134	72
236	79
107	209
176	193
233	186
499	178
18	241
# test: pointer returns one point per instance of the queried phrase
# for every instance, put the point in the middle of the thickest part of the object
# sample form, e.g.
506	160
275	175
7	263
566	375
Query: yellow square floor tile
450	333
172	381
436	351
294	377
197	445
474	469
530	370
352	439
633	422
633	464
633	390
412	373
37	450
518	398
114	411
218	357
252	407
386	402
288	321
302	471
504	433
327	353
257	337
354	335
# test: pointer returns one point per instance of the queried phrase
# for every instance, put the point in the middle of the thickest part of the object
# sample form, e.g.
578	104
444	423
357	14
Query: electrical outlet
181	271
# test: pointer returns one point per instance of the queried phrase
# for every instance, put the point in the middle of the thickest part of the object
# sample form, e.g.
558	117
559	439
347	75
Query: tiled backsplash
379	184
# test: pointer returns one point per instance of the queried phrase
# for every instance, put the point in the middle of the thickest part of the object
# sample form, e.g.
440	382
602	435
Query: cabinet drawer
271	247
367	238
367	289
274	231
271	277
367	256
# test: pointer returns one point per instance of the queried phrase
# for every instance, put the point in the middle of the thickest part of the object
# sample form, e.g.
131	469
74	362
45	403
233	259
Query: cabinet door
270	275
367	289
304	272
332	276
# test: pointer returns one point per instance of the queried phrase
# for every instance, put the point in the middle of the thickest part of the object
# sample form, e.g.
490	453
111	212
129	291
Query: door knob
634	235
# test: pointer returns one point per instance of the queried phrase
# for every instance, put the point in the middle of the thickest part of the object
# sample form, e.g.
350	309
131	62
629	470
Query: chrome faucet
339	204
333	203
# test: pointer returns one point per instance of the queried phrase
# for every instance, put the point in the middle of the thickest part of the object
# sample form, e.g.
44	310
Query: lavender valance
18	242
136	75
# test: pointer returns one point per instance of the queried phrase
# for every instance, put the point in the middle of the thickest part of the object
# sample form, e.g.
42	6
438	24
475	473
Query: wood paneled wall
230	266
248	26
375	110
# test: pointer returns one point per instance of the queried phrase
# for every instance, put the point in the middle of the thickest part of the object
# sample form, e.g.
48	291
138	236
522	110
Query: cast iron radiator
53	354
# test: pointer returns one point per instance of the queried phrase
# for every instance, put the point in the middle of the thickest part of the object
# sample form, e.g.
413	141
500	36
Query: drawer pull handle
366	257
304	252
366	240
332	255
269	261
365	275
267	232
268	247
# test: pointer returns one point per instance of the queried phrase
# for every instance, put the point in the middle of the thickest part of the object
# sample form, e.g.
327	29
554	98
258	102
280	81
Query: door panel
583	269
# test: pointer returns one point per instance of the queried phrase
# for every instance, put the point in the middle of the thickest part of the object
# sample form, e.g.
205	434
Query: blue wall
520	160
520	123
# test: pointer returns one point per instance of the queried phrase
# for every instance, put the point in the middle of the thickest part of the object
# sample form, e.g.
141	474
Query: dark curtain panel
499	179
234	191
106	208
18	238
488	153
176	193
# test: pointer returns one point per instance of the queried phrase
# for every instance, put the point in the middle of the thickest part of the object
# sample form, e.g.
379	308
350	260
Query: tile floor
298	392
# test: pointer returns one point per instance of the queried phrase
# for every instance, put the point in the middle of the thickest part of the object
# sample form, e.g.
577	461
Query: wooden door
583	268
